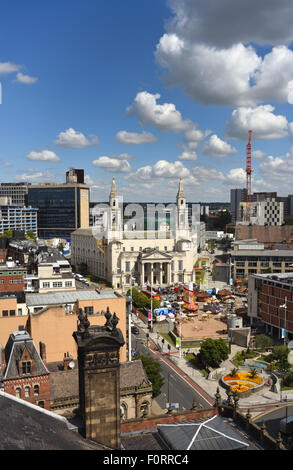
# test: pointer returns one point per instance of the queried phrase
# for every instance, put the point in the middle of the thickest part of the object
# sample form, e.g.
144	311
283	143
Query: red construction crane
248	176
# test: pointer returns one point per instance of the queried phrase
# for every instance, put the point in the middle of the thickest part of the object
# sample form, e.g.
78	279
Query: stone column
142	274
169	273
161	272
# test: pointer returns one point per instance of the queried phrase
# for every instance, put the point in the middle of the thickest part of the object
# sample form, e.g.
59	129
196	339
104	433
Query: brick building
268	294
12	277
25	374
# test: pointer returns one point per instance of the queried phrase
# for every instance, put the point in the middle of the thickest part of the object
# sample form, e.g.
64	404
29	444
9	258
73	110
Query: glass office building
62	208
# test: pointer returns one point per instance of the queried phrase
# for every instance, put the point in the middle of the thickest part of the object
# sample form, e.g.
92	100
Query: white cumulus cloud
216	147
135	138
261	120
75	139
164	117
43	155
207	50
112	164
26	79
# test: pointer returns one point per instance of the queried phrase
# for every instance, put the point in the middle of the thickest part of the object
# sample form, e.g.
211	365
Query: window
127	266
89	310
12	313
26	391
123	411
180	265
18	392
41	404
46	284
26	367
68	283
4	313
36	390
132	249
57	284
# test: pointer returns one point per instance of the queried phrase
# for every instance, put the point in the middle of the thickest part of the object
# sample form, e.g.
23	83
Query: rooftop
68	297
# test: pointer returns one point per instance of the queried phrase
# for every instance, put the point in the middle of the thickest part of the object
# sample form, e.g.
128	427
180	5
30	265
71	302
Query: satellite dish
71	365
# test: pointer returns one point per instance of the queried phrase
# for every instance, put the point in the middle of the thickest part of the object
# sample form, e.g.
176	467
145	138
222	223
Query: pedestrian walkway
207	387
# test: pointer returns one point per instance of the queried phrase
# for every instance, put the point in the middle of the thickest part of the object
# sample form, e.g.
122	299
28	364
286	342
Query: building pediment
155	255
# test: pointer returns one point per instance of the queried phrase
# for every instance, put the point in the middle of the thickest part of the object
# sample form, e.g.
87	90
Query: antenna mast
248	176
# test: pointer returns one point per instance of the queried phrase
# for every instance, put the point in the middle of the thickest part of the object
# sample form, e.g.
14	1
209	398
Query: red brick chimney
66	360
43	352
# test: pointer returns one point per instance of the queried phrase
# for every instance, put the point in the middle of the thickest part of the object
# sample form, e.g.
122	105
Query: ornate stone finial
218	398
236	399
229	398
263	426
279	440
170	410
83	321
108	323
114	320
194	405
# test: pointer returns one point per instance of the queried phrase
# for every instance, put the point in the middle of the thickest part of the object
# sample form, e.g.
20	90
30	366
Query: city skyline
148	94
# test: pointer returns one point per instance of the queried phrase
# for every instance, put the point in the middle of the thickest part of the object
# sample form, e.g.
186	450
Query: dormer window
26	367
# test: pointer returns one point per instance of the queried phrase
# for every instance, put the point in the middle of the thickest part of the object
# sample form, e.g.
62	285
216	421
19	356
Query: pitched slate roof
17	343
211	434
24	426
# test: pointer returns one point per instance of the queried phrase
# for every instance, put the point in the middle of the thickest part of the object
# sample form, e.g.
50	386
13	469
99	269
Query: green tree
153	371
82	269
7	233
60	247
280	353
30	235
262	341
213	352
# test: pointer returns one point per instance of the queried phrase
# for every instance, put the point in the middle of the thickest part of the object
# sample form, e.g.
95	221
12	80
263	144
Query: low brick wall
152	422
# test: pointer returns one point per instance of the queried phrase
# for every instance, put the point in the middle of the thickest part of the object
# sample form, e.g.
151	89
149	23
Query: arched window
36	390
26	391
123	411
18	392
144	408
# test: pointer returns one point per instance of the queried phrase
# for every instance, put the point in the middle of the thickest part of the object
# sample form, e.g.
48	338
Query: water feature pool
259	364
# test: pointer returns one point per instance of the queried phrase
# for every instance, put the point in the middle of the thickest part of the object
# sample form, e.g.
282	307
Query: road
175	388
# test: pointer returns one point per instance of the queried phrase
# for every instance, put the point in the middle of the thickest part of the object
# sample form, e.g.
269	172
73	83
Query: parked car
134	330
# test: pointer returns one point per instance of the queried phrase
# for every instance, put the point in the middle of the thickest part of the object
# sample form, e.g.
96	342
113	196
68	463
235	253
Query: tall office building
236	197
63	207
17	216
17	192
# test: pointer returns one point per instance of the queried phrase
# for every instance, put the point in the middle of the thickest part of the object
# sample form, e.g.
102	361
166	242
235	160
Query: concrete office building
17	192
17	217
63	207
268	212
236	197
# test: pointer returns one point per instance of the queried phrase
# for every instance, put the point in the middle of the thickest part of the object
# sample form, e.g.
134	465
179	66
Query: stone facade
99	379
160	257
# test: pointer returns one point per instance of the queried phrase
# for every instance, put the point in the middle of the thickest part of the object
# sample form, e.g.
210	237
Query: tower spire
113	189
180	189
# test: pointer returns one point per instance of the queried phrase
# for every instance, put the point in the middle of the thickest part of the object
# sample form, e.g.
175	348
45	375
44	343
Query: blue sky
182	80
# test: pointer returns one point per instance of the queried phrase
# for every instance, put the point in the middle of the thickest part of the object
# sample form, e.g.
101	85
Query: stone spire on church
113	192
180	193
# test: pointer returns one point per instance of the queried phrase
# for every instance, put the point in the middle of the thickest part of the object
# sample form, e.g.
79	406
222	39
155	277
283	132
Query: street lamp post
284	306
129	322
180	329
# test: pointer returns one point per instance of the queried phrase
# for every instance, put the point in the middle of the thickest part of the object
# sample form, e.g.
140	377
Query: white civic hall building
159	255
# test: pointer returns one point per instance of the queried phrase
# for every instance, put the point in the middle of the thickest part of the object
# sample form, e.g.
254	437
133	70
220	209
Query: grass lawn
199	276
190	358
168	338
